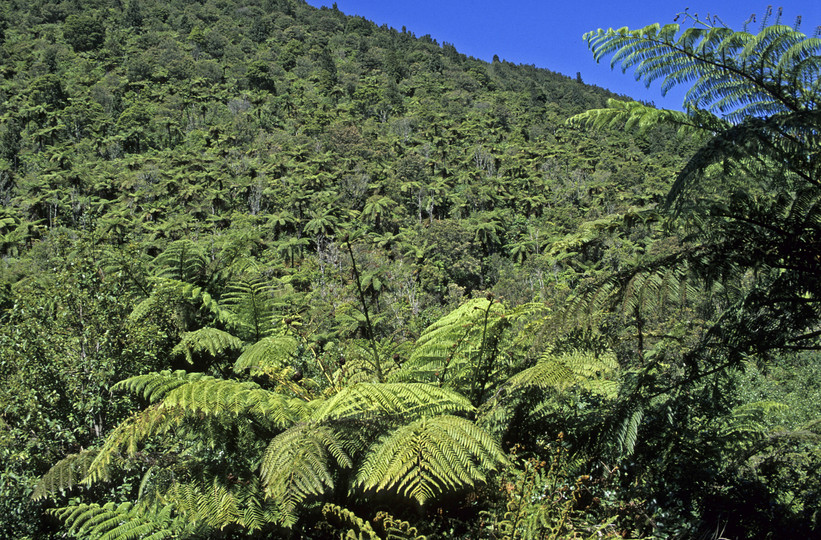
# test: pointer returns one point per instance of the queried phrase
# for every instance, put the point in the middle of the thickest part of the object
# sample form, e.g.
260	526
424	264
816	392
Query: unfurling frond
125	521
340	516
297	465
398	401
383	525
206	340
65	474
430	456
595	373
267	356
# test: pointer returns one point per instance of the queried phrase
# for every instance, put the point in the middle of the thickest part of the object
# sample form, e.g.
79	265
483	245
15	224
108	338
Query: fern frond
430	456
127	436
65	474
267	356
628	432
297	465
250	300
125	521
206	340
595	373
748	421
631	115
391	400
181	290
451	350
346	518
195	392
183	261
734	72
219	504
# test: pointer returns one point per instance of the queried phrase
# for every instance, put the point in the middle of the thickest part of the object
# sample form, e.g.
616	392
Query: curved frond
595	373
125	521
298	464
267	356
730	72
391	400
195	392
206	340
65	474
429	457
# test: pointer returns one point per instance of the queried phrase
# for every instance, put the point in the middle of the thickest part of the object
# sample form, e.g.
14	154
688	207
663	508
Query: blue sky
548	33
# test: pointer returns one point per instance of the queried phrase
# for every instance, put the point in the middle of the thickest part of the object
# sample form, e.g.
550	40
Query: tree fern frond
65	474
219	503
595	373
391	400
206	340
195	392
127	436
125	521
430	456
343	517
748	420
628	433
631	115
183	261
460	348
297	465
727	67
250	300
268	355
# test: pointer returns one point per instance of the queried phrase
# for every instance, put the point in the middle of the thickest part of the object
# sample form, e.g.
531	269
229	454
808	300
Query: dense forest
272	271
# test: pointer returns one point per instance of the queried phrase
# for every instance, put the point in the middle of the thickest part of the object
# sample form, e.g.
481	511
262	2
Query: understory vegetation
271	271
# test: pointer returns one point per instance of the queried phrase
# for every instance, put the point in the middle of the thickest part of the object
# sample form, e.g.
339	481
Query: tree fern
249	298
430	456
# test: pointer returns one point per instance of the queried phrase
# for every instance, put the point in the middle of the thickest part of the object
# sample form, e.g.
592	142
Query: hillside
346	240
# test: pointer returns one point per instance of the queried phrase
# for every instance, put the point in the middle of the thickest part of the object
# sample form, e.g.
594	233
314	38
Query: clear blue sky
548	33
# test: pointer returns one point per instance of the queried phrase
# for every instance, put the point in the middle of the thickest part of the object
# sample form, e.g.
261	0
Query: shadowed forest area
271	271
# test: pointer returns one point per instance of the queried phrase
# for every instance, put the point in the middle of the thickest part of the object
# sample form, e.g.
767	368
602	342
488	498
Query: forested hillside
273	271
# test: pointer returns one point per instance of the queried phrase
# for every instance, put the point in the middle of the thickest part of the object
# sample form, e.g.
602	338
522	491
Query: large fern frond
298	464
182	260
592	372
125	521
195	392
206	340
268	355
250	300
430	456
734	72
221	502
65	474
393	401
